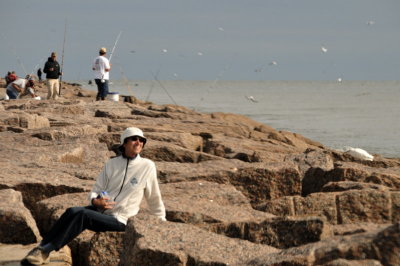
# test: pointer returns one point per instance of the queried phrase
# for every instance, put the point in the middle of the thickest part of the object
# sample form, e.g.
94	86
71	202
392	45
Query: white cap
131	131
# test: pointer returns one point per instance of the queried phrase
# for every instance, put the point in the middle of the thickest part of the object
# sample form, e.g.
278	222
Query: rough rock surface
237	192
17	225
167	243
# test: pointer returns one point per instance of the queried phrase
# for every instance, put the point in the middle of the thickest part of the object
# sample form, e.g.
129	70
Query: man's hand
17	87
103	203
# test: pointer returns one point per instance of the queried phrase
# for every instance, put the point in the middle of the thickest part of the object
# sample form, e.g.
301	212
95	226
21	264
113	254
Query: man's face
133	146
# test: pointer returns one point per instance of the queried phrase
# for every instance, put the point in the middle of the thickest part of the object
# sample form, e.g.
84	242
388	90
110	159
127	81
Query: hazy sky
207	39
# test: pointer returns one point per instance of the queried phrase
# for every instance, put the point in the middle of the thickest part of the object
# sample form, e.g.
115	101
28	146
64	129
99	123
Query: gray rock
381	245
343	262
16	222
149	241
364	206
350	185
224	210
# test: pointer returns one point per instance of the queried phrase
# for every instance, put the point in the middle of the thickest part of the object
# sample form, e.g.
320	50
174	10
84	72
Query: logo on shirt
133	181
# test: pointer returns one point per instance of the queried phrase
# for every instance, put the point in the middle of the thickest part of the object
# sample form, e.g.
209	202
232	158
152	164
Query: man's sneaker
36	257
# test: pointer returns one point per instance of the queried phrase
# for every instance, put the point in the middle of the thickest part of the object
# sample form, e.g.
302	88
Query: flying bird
324	49
251	98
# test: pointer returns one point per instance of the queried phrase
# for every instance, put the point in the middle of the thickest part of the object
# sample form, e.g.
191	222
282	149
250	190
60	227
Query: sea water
361	114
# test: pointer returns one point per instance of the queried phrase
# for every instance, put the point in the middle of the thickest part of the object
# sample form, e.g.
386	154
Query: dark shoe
36	257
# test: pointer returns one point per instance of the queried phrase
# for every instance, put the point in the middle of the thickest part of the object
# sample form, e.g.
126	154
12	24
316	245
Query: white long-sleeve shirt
126	182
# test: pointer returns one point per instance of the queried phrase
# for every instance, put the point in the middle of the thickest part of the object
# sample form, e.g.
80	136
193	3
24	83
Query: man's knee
74	210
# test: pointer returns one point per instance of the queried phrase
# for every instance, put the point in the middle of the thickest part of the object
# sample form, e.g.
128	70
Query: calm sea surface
362	114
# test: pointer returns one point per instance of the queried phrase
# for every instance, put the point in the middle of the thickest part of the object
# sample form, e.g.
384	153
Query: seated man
123	182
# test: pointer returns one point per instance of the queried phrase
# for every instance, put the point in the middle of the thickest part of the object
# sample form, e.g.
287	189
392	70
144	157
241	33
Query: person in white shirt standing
116	196
101	68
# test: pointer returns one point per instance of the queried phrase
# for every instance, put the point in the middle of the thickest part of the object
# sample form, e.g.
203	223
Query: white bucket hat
131	131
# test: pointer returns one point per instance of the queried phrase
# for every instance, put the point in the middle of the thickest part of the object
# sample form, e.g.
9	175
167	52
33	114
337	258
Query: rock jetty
236	191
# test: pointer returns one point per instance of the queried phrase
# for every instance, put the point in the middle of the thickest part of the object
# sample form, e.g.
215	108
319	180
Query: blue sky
205	40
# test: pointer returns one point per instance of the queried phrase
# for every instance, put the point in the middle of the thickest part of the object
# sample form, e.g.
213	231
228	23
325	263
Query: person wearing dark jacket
39	74
53	72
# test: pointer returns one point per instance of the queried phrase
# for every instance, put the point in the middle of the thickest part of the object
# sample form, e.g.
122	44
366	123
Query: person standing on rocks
116	196
39	74
101	68
53	72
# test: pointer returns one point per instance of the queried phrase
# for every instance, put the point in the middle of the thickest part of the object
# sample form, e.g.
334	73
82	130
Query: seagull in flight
251	98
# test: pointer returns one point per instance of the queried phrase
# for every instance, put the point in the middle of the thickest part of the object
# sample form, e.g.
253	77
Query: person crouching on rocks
116	196
20	87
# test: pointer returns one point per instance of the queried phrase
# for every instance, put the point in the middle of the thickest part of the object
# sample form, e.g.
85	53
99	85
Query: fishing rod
16	55
126	81
212	86
112	51
33	70
162	86
62	57
115	44
152	86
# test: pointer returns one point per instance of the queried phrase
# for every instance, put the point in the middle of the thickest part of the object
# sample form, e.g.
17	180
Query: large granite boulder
24	120
17	225
150	241
353	206
258	181
364	206
316	178
351	185
382	245
224	210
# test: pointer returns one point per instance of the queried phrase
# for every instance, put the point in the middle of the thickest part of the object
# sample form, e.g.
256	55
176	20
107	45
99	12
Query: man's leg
11	94
63	221
105	90
99	89
56	89
77	219
49	90
41	253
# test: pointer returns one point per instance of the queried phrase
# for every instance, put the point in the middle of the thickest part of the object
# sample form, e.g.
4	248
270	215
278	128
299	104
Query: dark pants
75	220
102	89
12	94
